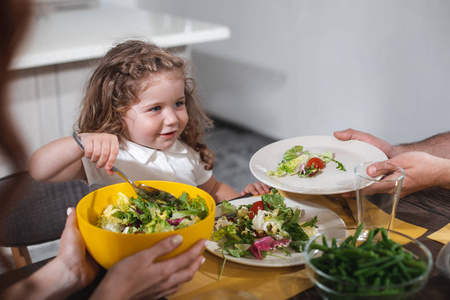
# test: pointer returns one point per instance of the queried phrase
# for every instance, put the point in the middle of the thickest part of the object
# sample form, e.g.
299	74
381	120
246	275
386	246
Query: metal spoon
142	190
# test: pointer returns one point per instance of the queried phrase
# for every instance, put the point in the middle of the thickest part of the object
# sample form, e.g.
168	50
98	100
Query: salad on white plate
329	180
304	163
267	227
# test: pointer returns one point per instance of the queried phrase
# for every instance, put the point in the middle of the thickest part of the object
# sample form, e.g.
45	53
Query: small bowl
108	247
331	288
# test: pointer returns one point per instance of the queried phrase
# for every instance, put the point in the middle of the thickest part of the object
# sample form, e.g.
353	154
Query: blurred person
73	269
140	113
426	163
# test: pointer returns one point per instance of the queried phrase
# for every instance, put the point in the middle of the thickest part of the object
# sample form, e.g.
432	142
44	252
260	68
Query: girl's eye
179	103
156	108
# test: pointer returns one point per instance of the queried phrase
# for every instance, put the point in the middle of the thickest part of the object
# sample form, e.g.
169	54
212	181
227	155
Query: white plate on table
326	218
331	180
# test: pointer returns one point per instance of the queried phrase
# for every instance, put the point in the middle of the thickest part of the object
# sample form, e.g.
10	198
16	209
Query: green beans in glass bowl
370	263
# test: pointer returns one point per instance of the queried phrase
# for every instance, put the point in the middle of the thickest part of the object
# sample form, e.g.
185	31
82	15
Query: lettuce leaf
292	153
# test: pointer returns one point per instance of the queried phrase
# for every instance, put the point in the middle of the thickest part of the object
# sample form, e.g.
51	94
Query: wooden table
429	209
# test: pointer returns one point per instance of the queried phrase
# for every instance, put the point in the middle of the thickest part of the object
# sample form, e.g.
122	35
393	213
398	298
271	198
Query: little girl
140	114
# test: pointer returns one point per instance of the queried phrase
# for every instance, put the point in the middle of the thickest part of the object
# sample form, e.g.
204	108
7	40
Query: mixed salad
303	163
261	228
139	215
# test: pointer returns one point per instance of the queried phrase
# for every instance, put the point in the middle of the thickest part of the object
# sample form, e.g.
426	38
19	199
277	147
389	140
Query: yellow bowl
107	247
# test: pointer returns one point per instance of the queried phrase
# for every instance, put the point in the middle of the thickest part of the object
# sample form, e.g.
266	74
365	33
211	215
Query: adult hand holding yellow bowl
108	247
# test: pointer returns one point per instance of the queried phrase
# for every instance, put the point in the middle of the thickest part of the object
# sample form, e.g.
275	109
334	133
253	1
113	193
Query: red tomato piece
253	211
317	162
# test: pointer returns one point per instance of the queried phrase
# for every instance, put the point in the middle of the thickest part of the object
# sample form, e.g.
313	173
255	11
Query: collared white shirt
180	163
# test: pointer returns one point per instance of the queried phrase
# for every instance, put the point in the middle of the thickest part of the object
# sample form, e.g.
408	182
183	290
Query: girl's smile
160	116
168	135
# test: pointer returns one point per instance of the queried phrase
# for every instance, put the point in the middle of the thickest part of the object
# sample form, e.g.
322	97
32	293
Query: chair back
37	213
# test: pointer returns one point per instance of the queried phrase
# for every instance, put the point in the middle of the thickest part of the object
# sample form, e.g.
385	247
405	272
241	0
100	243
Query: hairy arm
437	145
219	190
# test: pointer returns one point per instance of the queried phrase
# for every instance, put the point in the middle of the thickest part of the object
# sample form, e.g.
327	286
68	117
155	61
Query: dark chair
37	214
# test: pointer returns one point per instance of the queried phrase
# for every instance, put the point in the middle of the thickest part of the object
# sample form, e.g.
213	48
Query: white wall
297	67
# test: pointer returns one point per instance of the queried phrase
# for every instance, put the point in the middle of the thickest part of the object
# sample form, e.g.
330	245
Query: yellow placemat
270	283
442	235
261	282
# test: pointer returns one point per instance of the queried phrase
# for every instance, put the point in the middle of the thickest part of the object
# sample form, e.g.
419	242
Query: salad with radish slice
303	163
263	228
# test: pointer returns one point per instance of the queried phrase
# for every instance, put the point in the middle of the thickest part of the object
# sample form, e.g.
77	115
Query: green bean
352	251
375	262
319	247
384	252
357	233
384	234
346	241
341	257
383	266
365	270
342	270
396	247
418	264
404	270
334	243
324	241
377	280
368	242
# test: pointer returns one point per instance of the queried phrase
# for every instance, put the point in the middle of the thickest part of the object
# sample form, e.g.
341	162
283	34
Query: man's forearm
437	145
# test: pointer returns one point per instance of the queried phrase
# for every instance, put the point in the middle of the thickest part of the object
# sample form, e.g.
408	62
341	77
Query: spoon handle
117	171
121	174
78	140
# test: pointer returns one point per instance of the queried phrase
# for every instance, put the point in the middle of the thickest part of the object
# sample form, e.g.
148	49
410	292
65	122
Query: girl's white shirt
180	163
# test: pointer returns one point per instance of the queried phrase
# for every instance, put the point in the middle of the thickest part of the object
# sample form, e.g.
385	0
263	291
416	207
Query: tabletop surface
429	209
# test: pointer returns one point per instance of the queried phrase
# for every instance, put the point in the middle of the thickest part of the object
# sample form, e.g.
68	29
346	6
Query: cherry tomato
253	211
317	162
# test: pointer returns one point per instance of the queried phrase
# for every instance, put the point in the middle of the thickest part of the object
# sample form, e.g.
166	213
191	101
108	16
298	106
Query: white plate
325	219
331	180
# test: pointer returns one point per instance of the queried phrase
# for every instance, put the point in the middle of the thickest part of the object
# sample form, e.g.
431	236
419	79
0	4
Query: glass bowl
337	286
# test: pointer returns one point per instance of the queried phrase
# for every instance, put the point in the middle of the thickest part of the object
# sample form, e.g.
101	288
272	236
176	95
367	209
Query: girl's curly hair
119	78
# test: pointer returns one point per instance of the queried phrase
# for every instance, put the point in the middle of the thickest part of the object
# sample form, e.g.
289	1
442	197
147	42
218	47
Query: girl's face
160	116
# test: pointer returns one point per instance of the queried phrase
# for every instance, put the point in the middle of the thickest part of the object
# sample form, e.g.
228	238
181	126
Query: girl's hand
257	188
139	276
101	148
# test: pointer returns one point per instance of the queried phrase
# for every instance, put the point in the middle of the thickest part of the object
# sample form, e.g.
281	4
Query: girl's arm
57	161
218	190
60	160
